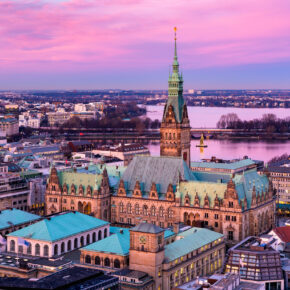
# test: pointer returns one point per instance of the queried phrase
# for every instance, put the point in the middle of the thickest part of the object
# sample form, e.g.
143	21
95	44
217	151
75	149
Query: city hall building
228	197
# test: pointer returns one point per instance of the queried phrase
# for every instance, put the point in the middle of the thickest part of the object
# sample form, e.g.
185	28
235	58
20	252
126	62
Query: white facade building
57	235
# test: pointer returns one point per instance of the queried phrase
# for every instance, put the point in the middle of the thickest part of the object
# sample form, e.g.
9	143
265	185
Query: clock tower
175	128
147	250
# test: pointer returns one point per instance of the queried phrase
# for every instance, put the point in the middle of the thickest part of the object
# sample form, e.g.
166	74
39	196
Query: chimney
176	228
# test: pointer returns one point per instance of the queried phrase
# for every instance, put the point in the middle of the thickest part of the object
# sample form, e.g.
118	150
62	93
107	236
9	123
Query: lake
207	117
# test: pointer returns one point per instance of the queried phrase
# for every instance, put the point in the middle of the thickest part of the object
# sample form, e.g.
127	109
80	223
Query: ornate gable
206	201
170	193
216	202
196	200
187	200
121	188
170	116
81	190
153	194
137	190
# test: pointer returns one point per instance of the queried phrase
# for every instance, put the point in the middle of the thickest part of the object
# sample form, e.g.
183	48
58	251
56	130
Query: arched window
37	250
153	211
82	241
105	233
121	207
76	243
12	246
88	239
99	235
55	250
161	211
137	209
80	207
107	262
45	251
129	208
94	237
116	263
69	245
88	259
97	260
145	209
62	247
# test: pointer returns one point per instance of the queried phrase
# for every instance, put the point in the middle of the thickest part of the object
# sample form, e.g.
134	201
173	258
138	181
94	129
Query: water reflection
228	149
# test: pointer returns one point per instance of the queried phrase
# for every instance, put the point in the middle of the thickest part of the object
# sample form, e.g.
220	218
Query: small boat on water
201	142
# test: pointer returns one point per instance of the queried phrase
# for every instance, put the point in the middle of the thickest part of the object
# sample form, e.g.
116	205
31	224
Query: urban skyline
89	45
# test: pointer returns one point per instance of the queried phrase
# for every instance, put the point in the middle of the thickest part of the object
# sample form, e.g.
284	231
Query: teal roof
230	166
168	233
212	176
14	216
160	170
189	241
246	181
90	176
118	243
59	226
212	185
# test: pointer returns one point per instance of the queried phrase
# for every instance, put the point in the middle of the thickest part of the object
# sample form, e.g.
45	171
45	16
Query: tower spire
175	60
175	46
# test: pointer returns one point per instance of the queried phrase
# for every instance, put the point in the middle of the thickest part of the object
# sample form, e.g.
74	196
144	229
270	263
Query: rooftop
283	233
118	243
13	217
59	227
147	228
189	241
225	165
69	278
160	170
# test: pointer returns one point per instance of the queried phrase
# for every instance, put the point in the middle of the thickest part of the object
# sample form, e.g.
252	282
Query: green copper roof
189	241
201	188
118	243
246	181
231	166
59	227
213	184
161	170
90	176
10	217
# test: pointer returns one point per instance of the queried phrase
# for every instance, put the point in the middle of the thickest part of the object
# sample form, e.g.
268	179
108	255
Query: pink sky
90	35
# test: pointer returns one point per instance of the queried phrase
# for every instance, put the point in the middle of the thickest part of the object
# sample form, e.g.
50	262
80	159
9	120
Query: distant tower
175	127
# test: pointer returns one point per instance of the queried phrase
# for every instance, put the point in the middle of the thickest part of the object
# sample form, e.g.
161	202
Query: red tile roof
283	233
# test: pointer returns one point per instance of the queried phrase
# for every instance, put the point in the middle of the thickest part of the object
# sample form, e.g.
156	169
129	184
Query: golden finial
175	29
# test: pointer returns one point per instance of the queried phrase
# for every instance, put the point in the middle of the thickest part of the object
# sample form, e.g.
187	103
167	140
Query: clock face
142	239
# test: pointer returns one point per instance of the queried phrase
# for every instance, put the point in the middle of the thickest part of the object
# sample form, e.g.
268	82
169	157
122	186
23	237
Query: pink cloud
85	34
